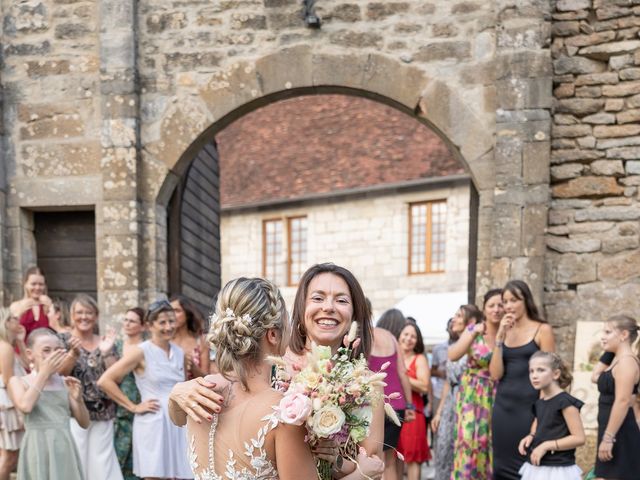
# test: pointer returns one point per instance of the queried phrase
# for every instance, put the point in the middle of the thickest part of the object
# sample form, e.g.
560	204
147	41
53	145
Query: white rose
327	421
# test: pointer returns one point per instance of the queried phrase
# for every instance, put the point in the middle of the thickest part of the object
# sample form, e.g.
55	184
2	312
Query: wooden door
194	232
66	252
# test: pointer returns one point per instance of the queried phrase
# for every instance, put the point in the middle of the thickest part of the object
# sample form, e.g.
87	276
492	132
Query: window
272	239
284	267
297	250
427	233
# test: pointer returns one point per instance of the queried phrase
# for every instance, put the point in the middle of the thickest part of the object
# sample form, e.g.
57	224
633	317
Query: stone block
381	10
575	268
60	159
534	222
444	30
608	78
614	105
565	28
579	106
462	8
536	157
577	65
612	11
575	155
348	12
587	186
633	167
527	63
252	21
618	142
72	31
119	166
614	131
349	38
600	119
46	68
624	153
589	92
623	89
508	225
633	102
566	171
592	39
572	5
620	244
564	90
445	50
629	116
586	142
606	213
630	74
619	62
41	49
623	266
607	167
579	244
571	131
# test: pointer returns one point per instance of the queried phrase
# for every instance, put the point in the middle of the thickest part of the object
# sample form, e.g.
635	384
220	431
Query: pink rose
294	408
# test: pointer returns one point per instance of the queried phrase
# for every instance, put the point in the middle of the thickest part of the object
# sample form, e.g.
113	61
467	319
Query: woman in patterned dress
474	403
132	329
444	420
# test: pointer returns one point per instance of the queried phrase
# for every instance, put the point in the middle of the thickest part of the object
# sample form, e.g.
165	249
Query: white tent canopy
432	311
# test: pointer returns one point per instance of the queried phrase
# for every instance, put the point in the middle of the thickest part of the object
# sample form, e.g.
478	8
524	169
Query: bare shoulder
5	349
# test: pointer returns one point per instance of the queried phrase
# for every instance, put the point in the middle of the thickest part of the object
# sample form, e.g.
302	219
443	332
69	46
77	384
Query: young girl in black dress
557	429
618	432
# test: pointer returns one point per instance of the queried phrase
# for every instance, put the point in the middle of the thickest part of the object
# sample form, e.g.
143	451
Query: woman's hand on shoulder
196	398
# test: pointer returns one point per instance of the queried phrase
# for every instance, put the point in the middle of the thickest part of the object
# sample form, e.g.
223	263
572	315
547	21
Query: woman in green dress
132	329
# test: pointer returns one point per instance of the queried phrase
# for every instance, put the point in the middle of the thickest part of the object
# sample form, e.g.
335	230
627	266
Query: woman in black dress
522	332
618	432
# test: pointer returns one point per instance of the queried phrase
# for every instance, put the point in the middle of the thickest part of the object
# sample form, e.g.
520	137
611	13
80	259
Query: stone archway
246	87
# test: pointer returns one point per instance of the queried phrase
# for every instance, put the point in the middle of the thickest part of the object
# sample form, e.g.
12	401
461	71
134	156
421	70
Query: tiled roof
324	143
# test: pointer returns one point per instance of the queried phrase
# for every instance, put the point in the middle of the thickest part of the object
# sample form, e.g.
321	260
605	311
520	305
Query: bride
244	440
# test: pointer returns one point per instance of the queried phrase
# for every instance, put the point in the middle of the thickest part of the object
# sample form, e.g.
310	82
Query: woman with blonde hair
11	426
89	355
244	439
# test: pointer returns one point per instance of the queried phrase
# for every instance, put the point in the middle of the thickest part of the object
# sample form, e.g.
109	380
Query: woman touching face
328	310
493	309
513	306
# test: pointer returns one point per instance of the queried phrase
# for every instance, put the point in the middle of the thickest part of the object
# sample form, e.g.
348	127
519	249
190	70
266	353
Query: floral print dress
474	405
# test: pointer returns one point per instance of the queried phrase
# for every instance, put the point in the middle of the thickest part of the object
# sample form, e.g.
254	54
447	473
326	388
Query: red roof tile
325	143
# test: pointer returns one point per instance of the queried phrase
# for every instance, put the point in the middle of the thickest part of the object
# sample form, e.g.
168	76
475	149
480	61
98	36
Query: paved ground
428	472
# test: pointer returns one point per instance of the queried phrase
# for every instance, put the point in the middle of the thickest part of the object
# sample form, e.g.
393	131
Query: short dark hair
419	347
521	291
138	311
490	294
392	320
195	320
361	312
471	312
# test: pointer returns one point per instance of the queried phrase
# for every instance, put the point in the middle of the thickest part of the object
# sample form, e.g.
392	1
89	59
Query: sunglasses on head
160	305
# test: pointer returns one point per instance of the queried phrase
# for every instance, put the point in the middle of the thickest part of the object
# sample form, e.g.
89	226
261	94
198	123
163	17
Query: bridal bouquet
333	396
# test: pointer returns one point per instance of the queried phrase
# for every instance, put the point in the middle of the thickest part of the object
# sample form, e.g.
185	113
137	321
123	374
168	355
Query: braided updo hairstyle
245	310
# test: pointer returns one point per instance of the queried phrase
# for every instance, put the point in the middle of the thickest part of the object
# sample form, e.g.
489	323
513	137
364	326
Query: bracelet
410	406
609	437
499	344
557	447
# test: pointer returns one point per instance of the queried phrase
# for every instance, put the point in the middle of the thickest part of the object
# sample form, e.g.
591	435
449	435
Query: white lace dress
230	454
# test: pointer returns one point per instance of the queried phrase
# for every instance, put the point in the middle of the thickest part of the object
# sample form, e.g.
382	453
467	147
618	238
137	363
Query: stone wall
367	234
593	236
107	102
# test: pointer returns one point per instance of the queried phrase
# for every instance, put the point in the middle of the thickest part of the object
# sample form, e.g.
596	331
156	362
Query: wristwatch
410	406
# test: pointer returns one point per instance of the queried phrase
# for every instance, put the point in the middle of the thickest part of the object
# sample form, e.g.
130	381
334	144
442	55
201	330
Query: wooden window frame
428	237
286	221
290	283
264	244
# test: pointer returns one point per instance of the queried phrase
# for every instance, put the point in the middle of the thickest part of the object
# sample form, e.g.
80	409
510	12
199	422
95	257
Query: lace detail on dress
261	466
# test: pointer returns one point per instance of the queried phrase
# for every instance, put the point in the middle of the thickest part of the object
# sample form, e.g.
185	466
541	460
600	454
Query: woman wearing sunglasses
159	447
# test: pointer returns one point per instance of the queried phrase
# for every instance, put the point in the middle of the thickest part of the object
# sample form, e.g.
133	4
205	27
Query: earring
302	334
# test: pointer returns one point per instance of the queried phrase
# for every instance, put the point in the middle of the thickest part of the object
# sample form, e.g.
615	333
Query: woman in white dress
159	446
244	439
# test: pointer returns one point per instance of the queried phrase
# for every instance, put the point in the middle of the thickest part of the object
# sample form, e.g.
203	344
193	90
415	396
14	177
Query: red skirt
413	444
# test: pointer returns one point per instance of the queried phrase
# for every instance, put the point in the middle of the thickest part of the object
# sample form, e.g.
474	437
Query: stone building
107	105
344	179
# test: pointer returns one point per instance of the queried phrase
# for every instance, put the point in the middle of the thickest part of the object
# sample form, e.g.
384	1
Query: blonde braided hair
245	310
